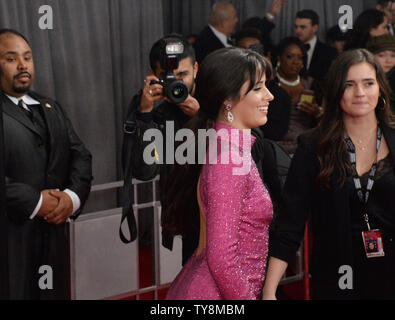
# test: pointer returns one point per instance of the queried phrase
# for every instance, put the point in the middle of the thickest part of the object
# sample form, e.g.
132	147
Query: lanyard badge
372	240
373	243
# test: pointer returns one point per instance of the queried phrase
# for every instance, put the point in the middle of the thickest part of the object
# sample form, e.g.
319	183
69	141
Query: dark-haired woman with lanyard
342	177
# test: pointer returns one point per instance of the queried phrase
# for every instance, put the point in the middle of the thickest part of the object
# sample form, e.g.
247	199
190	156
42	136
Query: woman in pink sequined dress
226	192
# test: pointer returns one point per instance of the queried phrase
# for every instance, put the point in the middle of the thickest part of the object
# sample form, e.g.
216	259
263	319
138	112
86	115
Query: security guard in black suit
48	177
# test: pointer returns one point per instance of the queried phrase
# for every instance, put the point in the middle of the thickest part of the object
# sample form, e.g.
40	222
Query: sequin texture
238	212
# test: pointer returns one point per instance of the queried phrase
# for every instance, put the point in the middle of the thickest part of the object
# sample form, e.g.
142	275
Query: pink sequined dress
238	211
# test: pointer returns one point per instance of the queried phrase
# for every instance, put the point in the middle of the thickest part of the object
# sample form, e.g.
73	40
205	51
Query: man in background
319	55
48	177
217	35
4	294
149	109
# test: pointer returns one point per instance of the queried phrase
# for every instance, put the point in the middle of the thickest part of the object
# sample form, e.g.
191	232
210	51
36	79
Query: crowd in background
301	60
328	104
332	113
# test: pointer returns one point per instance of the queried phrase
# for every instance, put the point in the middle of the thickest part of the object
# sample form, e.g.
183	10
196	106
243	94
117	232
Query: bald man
222	24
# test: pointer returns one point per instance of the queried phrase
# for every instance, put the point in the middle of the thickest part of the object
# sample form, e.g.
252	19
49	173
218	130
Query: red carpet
291	291
147	278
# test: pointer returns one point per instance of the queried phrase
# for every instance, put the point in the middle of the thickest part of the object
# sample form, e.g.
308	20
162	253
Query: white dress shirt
390	29
222	37
310	52
27	100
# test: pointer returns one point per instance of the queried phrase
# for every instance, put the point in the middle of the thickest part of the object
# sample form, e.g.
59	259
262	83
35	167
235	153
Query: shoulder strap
128	195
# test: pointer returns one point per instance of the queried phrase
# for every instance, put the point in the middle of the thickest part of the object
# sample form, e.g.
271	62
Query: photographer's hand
190	106
151	94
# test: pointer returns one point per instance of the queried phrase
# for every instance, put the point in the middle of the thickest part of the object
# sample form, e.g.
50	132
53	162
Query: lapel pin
48	105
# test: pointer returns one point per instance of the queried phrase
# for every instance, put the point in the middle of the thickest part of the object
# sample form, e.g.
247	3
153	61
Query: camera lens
178	91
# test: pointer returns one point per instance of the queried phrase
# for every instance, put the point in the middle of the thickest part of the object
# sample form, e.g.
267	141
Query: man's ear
195	69
315	28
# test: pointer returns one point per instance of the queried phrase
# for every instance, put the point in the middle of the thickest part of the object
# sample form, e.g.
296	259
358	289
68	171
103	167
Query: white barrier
102	267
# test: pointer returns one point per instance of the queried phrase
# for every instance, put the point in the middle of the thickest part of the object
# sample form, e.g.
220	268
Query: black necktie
37	119
27	111
307	46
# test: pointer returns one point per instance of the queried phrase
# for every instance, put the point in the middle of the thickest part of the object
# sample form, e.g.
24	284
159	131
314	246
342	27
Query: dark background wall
96	57
190	16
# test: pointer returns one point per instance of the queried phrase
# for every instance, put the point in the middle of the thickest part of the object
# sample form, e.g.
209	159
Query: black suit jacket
330	217
30	167
4	294
206	43
321	60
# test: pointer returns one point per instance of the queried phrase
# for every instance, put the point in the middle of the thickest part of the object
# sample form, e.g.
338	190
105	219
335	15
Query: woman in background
291	57
370	23
235	207
280	107
342	177
383	48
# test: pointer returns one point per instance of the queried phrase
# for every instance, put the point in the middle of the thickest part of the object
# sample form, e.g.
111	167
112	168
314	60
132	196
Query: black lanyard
357	181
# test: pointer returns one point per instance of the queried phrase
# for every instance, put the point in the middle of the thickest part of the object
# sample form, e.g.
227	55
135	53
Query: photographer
156	103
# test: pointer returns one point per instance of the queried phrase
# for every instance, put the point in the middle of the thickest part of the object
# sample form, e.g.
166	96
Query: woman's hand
312	109
268	296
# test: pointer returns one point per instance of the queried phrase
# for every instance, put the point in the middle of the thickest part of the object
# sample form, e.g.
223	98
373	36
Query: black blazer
206	43
321	60
29	168
69	162
4	294
329	213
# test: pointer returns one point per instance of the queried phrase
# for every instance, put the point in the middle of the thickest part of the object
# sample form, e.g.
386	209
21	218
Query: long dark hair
220	77
360	33
332	152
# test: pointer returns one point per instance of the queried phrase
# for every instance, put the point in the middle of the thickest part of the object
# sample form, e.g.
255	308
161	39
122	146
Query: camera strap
128	195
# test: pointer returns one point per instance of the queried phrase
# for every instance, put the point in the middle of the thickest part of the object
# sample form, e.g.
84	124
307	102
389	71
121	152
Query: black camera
173	88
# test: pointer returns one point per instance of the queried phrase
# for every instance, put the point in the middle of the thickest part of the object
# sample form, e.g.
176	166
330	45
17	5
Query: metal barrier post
306	277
